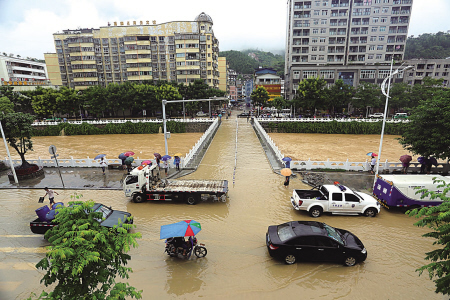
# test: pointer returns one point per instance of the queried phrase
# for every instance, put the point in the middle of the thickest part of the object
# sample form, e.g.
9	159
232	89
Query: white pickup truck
335	199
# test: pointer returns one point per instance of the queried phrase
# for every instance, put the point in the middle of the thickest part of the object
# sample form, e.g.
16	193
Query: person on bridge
176	161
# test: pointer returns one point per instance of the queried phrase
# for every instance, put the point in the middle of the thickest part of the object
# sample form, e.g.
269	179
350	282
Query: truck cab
139	178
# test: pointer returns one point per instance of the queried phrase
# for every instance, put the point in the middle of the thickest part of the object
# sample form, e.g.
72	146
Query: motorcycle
178	247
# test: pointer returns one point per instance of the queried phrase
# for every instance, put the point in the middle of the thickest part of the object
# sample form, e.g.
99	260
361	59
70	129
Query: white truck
145	183
335	199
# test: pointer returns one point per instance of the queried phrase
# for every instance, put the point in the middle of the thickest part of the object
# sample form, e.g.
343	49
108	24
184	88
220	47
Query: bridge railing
200	143
342	165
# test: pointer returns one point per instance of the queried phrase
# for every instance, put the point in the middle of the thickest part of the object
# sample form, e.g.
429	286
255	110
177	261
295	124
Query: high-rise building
344	39
181	51
223	74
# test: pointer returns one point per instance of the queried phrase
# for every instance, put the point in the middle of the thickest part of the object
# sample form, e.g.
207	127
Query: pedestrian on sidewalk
372	164
166	166
286	181
158	160
51	196
103	165
177	161
248	117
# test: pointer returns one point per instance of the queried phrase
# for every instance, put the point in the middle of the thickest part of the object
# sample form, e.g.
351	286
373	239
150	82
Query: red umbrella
405	158
129	153
157	155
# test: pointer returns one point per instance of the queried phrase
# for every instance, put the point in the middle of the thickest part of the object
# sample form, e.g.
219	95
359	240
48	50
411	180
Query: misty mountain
246	61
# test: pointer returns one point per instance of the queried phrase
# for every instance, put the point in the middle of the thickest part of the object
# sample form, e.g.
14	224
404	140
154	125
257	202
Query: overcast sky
26	27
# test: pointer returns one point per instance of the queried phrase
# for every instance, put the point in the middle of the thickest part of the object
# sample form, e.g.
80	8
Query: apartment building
17	71
181	51
223	74
268	78
433	68
344	39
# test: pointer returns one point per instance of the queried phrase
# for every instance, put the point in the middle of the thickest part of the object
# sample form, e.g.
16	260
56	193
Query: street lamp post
9	155
383	90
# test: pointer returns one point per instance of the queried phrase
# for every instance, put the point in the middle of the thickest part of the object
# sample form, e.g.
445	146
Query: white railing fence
105	121
343	165
200	143
262	119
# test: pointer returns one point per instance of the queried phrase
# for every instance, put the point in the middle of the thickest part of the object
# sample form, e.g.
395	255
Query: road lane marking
17	266
9	286
20	235
22	250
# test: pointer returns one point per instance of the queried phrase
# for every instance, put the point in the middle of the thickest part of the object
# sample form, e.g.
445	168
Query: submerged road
237	265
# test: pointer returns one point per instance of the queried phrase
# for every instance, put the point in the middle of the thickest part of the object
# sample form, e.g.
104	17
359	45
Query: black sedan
243	115
314	241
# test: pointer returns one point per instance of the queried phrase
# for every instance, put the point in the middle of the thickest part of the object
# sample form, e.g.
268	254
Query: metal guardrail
200	143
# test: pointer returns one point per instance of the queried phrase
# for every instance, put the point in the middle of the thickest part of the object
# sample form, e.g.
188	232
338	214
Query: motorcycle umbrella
180	229
146	162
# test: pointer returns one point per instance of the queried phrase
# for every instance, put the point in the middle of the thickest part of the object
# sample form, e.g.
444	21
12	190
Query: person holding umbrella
373	162
103	164
128	161
177	160
287	173
166	166
405	159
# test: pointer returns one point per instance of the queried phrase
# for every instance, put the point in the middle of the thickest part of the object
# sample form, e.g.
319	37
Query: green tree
44	102
260	96
85	258
18	130
339	96
279	103
367	95
68	101
96	98
424	91
428	46
6	106
311	94
428	131
400	96
437	218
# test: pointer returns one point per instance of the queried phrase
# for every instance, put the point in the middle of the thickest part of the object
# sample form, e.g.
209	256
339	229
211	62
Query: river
237	265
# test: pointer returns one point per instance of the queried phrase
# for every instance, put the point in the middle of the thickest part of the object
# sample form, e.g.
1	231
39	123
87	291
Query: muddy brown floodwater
80	146
238	265
338	147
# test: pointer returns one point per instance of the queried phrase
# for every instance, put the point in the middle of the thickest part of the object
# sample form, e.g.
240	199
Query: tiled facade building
17	71
346	39
181	51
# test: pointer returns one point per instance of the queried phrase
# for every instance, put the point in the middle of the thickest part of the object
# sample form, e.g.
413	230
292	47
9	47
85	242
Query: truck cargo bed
193	185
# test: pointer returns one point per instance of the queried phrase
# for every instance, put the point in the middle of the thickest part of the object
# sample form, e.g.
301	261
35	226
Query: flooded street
237	265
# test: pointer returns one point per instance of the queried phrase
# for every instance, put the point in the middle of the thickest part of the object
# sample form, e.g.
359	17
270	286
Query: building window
316	21
317	3
316	12
322	40
367	74
383	73
296	75
374	29
323	21
161	39
322	48
371	47
323	30
381	38
309	74
382	28
315	30
380	47
376	10
327	74
383	20
313	57
370	56
373	38
314	40
313	48
324	12
321	57
375	19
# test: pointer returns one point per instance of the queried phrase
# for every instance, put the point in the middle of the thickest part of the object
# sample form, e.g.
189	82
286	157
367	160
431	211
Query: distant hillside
246	61
428	46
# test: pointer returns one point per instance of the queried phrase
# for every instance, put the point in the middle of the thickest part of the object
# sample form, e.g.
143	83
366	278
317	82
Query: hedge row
335	127
123	128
